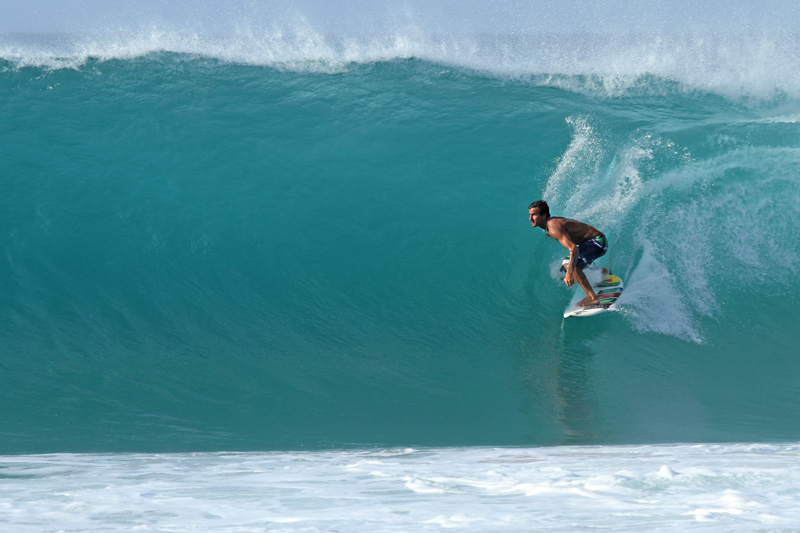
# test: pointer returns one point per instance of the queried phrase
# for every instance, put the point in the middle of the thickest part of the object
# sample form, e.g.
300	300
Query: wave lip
735	66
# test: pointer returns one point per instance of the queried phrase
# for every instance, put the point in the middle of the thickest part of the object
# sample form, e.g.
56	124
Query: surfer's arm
573	260
567	243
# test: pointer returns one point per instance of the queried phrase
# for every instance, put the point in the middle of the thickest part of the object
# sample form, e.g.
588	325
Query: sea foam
624	488
739	66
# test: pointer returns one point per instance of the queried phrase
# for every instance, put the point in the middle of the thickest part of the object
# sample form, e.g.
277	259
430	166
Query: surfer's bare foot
589	301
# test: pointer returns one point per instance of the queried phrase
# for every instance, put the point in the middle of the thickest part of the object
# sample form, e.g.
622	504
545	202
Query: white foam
622	488
576	169
654	301
731	214
736	66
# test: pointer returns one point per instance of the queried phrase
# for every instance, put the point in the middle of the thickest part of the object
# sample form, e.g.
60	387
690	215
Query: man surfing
585	244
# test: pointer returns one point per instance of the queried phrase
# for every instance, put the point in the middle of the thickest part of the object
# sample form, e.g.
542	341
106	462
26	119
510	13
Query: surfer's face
536	217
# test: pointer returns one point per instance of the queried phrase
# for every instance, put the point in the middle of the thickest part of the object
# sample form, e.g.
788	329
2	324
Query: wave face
299	243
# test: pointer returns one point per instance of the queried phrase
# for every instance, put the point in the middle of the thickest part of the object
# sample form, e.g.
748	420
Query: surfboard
608	288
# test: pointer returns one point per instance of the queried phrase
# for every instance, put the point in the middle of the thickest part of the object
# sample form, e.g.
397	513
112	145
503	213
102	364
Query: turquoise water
206	249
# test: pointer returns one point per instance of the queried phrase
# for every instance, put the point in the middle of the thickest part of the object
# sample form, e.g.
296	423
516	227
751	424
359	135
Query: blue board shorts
589	251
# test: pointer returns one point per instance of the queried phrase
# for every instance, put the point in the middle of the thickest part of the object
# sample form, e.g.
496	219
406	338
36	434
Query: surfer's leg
591	297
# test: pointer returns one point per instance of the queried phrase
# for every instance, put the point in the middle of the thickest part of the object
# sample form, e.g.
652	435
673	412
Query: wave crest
735	66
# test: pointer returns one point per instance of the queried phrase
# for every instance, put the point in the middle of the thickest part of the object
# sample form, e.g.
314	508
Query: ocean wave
756	66
203	255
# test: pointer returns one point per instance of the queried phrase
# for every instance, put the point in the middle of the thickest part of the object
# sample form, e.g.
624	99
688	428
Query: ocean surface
223	255
734	487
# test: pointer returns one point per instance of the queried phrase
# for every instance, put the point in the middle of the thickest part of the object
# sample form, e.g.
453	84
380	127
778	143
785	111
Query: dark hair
543	207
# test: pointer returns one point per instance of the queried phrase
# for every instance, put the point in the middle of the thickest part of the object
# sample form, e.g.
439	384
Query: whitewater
653	488
280	280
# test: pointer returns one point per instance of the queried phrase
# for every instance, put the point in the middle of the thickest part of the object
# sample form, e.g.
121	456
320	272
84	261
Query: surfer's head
539	212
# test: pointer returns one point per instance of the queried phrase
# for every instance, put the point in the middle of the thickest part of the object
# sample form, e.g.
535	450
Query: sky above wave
442	16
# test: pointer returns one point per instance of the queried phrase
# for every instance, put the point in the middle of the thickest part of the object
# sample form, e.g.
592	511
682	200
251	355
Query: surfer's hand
569	280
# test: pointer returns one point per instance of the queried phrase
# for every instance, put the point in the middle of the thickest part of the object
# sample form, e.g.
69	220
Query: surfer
585	244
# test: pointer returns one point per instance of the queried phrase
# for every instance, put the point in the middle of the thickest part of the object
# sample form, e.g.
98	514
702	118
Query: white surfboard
608	288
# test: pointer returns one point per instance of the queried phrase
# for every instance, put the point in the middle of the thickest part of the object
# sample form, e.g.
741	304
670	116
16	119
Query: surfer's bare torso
577	232
571	234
